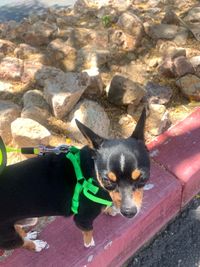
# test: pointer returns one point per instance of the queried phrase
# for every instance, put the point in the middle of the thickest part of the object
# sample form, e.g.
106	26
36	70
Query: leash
88	187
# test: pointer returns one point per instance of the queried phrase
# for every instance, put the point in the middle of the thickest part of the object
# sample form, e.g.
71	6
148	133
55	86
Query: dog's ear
94	140
138	132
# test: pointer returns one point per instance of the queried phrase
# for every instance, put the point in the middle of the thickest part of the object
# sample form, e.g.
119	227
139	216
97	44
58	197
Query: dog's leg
88	239
35	245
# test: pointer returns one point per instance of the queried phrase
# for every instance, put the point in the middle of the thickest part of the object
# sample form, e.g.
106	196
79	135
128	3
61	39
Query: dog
45	185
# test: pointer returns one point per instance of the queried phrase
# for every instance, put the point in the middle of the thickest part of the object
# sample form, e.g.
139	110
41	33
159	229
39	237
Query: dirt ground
178	245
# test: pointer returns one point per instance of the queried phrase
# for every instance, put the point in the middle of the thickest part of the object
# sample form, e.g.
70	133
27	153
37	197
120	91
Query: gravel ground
176	246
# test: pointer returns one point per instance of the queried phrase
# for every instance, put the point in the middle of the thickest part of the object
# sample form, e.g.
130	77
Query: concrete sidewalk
175	176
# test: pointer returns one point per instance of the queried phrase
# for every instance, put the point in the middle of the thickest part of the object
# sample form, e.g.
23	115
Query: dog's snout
129	212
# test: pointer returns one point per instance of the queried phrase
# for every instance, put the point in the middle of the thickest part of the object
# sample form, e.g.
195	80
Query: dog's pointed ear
138	132
94	140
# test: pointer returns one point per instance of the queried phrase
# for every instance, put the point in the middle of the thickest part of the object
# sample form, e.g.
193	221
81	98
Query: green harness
89	189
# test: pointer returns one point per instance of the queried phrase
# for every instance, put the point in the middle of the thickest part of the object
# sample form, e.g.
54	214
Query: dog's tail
3	155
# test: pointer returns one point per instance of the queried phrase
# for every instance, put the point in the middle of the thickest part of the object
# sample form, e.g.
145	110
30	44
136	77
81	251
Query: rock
166	68
8	113
174	52
9	30
64	90
6	47
162	31
23	51
91	57
182	66
193	15
62	55
6	89
170	18
158	119
123	41
167	31
190	86
97	38
46	72
131	24
39	33
195	61
35	107
95	86
31	68
192	20
11	68
123	91
92	115
181	36
157	94
27	132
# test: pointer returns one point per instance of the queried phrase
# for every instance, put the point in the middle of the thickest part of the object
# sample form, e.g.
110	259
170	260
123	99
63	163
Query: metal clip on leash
56	150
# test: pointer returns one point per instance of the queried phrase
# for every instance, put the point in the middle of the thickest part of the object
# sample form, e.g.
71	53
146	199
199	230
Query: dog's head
122	166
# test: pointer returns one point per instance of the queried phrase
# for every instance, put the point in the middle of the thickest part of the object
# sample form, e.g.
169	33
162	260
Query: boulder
35	107
11	68
92	115
8	113
124	91
27	132
64	90
190	86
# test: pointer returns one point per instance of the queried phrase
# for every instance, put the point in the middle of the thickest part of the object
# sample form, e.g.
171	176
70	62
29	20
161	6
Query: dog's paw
112	211
40	245
32	235
91	244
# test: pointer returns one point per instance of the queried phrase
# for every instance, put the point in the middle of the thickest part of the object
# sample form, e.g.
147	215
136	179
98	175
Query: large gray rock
8	113
123	91
35	107
158	119
11	68
92	57
27	132
64	91
157	94
39	33
190	86
46	72
168	31
131	24
62	55
92	115
182	66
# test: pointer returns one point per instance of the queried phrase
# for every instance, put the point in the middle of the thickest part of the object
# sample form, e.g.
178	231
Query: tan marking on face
28	244
137	197
135	174
116	198
112	176
87	237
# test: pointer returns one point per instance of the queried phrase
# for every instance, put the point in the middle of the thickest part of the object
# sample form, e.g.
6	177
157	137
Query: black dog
45	186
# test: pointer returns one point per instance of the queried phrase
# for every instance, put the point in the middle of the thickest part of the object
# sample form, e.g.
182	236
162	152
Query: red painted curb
178	150
116	238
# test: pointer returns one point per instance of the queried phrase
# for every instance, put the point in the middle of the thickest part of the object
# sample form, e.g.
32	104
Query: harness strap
82	184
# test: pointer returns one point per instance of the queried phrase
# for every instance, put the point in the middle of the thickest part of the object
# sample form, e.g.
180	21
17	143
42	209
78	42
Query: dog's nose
129	212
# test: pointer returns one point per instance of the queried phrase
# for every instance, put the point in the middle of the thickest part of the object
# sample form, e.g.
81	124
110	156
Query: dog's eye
108	184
